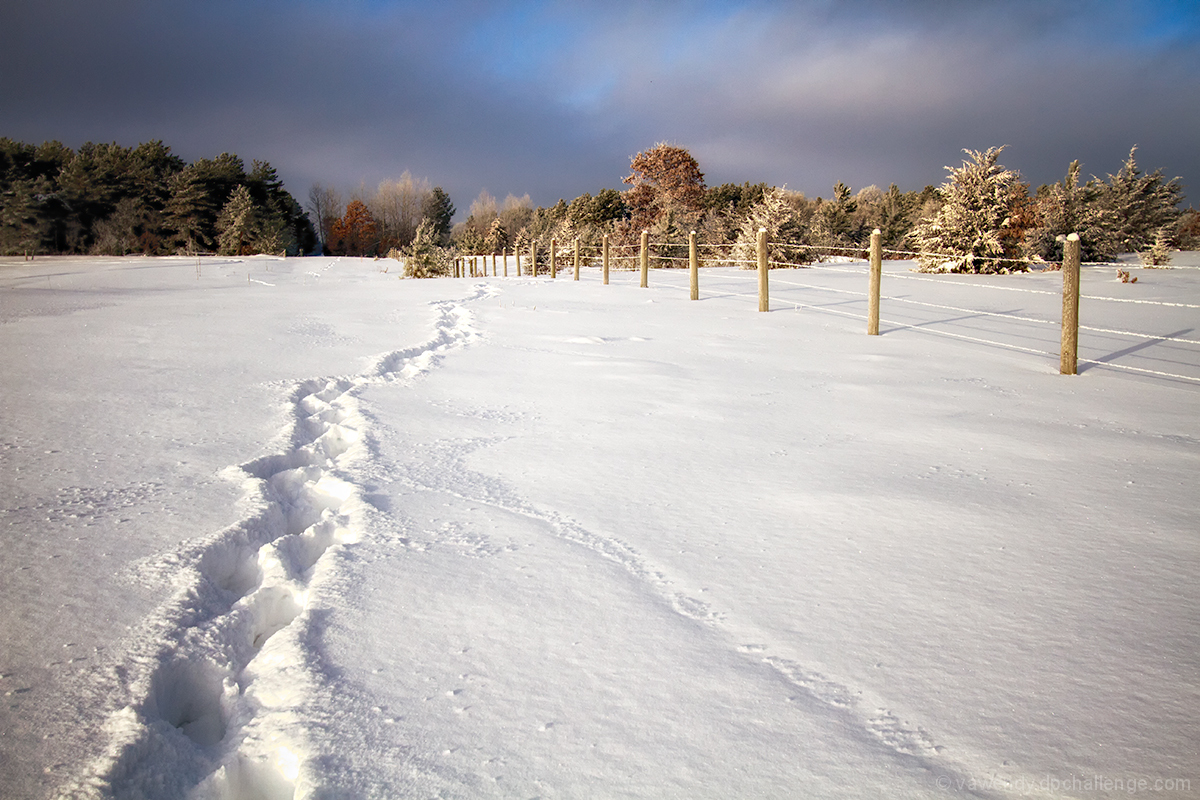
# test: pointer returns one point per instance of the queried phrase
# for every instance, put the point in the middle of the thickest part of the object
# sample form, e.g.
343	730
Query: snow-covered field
278	528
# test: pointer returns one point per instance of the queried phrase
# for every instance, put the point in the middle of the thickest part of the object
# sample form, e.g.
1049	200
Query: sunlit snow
295	528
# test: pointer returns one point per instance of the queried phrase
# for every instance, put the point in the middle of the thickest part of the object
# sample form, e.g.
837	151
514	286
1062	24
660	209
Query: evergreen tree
967	234
438	209
497	238
778	216
1068	207
21	228
833	225
240	224
1140	204
424	258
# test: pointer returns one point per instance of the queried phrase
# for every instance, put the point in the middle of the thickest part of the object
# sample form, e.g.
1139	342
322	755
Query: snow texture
292	528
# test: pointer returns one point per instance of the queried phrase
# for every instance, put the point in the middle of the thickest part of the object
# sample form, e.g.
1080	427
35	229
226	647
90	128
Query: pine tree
497	237
240	224
968	233
1140	204
438	209
833	225
424	258
1068	207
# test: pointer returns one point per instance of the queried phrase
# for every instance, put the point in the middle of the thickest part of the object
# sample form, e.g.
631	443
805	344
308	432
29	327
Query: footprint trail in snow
214	680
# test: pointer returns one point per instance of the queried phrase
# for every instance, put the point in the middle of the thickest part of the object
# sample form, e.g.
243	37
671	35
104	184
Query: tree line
984	218
112	200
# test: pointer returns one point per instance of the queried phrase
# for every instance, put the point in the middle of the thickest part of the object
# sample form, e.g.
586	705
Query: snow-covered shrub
424	258
1159	254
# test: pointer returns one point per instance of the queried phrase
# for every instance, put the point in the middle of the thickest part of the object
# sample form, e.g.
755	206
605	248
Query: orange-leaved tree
356	233
665	179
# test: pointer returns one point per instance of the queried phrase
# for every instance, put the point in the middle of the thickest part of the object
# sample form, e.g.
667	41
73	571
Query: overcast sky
552	98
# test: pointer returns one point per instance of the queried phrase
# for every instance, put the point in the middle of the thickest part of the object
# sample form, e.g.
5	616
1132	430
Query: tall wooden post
764	300
876	278
605	259
694	266
1069	361
645	256
553	260
577	258
504	252
532	258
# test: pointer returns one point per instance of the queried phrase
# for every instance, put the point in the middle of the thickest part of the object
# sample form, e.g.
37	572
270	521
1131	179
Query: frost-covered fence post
532	258
645	256
605	259
876	276
694	266
764	299
576	258
553	260
1069	360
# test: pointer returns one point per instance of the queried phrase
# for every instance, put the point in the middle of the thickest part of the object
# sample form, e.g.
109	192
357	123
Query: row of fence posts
1068	360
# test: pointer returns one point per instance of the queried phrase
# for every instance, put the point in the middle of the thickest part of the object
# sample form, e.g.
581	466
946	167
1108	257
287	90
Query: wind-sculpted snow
214	685
443	469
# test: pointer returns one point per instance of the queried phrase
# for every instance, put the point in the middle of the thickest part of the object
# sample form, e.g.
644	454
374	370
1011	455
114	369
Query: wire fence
839	288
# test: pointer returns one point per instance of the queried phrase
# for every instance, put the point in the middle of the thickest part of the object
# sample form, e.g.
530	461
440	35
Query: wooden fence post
504	252
764	300
645	255
553	260
1069	361
605	259
577	258
876	277
533	258
694	266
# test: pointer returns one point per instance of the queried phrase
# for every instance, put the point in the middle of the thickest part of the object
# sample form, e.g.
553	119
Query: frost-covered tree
1140	204
240	224
425	258
497	238
1070	207
1159	252
775	213
834	224
120	232
969	232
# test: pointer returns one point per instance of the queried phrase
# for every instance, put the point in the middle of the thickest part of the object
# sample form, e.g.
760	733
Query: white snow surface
293	528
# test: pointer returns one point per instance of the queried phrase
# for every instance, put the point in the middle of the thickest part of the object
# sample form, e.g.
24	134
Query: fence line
922	328
1069	344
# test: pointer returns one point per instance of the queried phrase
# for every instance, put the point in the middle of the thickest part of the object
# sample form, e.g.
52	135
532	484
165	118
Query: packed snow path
627	545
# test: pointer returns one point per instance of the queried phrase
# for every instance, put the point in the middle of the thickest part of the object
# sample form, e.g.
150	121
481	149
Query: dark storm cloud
552	98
